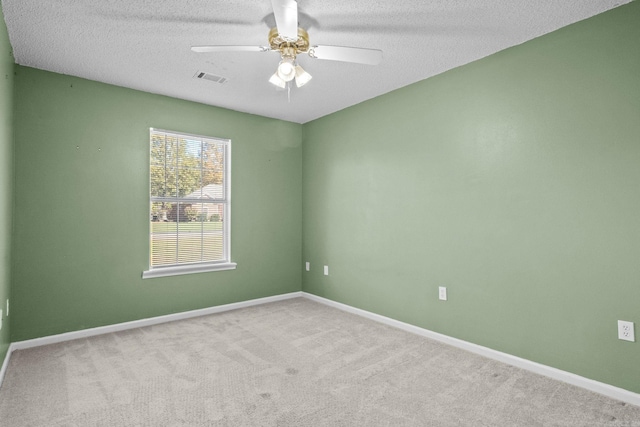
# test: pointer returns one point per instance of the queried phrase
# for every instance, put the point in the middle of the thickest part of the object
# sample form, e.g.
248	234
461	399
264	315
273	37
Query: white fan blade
347	54
205	49
286	14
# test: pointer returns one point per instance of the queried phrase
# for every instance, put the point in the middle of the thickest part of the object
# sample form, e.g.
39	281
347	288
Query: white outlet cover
326	270
307	266
625	331
442	293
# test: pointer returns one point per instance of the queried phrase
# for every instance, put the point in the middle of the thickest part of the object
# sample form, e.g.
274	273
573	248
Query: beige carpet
291	363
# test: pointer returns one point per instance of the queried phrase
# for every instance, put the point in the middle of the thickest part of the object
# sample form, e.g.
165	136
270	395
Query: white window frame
204	266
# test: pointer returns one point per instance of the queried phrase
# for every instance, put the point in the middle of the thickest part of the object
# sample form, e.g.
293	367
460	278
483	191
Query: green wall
81	205
514	181
6	178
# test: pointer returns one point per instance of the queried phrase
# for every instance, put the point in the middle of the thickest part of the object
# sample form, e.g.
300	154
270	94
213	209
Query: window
189	202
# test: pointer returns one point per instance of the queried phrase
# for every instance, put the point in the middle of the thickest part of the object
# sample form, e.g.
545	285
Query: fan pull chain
289	92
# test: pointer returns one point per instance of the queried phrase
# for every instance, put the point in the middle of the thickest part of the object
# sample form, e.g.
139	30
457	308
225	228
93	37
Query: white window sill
187	269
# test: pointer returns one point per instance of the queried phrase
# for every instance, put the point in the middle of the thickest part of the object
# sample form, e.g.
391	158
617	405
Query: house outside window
190	204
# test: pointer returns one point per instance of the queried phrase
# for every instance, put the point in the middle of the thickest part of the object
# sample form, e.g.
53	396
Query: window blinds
189	199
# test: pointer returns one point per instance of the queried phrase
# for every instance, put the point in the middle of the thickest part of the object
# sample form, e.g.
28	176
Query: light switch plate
442	293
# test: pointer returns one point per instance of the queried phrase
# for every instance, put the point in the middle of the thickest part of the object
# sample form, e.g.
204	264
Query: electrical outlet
442	293
625	331
307	266
326	270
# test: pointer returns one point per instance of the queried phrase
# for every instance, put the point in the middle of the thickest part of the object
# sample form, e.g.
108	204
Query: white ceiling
145	44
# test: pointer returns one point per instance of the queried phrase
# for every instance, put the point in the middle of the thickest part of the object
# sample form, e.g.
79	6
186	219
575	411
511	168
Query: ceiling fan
289	40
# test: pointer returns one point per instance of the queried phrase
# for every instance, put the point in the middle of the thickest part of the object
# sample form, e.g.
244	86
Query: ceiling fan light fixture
289	41
302	77
277	81
286	69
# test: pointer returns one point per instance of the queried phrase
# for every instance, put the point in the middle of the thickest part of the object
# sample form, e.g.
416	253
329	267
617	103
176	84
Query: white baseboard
556	374
5	364
68	336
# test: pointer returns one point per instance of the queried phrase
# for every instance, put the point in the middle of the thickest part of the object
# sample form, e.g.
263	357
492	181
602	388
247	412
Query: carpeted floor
290	363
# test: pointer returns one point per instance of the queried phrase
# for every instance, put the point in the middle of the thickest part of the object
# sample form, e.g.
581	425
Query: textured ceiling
145	44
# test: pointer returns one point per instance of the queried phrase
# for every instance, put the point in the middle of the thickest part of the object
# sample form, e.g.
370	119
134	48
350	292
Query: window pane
191	148
190	248
164	237
213	163
158	149
213	243
165	182
213	191
180	212
162	175
190	168
169	179
212	232
158	181
189	183
158	214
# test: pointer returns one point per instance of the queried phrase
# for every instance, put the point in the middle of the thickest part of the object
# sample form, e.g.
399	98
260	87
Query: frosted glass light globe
286	70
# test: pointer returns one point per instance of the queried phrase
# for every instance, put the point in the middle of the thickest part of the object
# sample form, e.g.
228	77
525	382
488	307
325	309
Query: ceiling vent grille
211	77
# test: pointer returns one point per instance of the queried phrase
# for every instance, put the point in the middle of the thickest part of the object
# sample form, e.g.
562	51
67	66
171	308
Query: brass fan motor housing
301	45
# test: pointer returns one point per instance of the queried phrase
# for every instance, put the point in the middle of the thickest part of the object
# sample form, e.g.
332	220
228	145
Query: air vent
212	77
